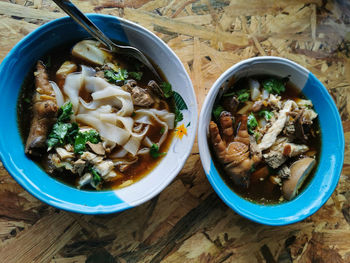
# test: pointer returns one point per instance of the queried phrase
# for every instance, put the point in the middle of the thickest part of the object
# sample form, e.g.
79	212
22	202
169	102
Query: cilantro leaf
243	95
275	86
167	89
154	151
61	134
217	111
252	123
136	75
83	137
265	114
116	76
65	112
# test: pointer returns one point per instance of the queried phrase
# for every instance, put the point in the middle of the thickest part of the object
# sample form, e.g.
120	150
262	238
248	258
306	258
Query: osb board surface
187	222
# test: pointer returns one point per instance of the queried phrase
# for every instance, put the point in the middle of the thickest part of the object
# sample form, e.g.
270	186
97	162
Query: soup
264	138
95	120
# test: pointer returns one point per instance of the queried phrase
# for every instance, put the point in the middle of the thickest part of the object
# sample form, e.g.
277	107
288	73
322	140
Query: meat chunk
44	112
274	158
140	96
271	135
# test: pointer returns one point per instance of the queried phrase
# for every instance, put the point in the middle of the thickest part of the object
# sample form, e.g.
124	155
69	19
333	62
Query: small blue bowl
329	167
18	64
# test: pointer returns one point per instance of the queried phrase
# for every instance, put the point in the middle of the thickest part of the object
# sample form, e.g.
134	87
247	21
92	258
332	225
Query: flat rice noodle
105	129
71	88
118	154
162	123
110	91
58	94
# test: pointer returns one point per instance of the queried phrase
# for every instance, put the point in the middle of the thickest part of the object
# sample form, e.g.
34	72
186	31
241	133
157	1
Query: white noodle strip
106	130
109	91
164	124
142	118
119	154
133	145
58	94
87	71
71	89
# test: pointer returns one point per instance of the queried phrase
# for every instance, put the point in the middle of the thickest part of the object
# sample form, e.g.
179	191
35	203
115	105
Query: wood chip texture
188	222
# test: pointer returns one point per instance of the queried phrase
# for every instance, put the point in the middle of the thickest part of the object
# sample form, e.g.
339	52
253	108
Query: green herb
28	100
243	95
162	130
65	112
116	76
252	123
167	89
133	114
61	134
217	111
265	114
154	151
136	75
96	177
63	131
178	116
83	137
275	86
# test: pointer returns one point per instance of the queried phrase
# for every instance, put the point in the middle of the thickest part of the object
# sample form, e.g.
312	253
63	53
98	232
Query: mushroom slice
299	171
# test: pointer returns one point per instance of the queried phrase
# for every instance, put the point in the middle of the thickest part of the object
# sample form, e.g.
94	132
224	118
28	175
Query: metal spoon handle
85	22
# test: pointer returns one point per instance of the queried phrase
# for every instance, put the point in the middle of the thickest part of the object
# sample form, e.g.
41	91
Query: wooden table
187	222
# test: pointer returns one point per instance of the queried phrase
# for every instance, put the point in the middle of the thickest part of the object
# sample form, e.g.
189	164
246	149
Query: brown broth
264	191
54	60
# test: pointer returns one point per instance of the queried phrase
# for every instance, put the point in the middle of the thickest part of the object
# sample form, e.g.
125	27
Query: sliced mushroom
299	171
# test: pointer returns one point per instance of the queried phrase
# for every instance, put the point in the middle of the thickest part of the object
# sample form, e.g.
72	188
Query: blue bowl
330	164
21	60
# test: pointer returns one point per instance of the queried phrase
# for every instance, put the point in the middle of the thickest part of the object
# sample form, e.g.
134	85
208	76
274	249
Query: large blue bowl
329	167
18	64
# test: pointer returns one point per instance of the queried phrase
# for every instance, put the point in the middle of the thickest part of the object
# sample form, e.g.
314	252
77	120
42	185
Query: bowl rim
100	209
212	176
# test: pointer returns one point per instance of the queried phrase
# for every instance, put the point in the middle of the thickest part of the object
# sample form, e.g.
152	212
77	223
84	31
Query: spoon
78	16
